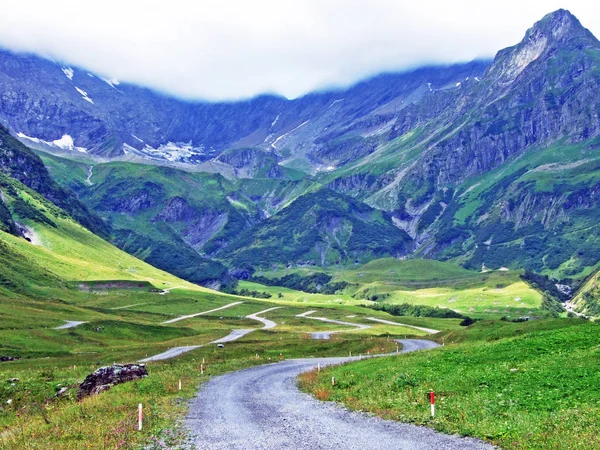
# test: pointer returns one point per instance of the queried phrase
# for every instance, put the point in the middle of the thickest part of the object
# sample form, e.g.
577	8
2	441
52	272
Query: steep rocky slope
20	163
68	109
488	163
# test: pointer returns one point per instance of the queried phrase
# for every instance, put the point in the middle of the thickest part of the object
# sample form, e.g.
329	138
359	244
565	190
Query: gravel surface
261	408
171	353
202	313
327	334
233	336
389	322
70	324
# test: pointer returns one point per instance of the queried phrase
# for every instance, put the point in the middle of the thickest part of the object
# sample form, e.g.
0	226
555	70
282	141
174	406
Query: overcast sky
229	49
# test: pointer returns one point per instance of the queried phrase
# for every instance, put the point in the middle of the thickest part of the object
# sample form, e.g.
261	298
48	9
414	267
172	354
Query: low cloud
234	49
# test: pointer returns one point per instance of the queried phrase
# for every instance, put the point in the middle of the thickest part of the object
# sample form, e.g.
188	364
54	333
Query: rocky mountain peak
559	30
558	25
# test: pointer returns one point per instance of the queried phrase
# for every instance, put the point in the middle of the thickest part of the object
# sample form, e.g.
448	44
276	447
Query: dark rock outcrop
106	377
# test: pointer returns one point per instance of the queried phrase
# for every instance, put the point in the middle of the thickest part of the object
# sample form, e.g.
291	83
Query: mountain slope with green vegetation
322	228
20	163
64	248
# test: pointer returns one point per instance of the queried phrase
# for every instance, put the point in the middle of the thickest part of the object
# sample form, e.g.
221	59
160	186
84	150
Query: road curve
233	336
268	324
389	322
327	334
261	408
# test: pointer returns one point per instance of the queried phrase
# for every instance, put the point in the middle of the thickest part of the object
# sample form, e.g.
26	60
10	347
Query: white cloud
225	49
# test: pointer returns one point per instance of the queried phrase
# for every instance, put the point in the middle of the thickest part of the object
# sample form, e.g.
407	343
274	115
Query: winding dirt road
327	334
261	408
233	336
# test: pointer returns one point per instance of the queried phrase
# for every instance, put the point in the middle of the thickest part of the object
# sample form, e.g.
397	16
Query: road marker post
432	400
351	354
397	350
201	369
202	360
333	381
140	417
179	384
281	357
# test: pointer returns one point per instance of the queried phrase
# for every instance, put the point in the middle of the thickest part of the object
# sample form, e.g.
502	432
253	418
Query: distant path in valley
70	324
327	334
233	336
389	322
262	408
202	313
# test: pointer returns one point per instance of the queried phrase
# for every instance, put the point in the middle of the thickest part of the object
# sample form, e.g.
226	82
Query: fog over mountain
235	49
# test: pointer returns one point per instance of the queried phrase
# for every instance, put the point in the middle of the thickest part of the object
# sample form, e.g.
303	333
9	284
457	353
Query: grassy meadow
525	385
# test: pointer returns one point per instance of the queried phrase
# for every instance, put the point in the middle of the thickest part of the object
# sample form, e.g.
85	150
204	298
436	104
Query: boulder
7	358
106	377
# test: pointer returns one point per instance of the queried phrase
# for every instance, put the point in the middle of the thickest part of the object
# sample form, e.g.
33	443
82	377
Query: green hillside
322	228
519	386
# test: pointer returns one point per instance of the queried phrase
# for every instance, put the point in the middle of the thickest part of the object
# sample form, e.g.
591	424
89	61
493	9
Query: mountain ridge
493	163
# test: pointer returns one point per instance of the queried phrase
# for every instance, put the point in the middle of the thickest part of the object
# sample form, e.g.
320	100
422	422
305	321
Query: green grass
405	272
420	282
520	386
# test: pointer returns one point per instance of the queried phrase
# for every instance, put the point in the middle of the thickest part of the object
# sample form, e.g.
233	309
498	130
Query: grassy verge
519	386
35	419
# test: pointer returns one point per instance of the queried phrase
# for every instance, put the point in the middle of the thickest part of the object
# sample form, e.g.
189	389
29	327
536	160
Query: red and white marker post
432	400
140	417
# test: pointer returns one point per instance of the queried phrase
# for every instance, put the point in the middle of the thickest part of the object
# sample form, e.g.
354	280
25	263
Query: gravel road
202	313
261	408
389	322
233	336
327	334
70	324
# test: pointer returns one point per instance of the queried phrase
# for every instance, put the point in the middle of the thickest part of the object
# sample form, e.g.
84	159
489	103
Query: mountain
58	252
501	170
83	113
322	228
20	163
491	163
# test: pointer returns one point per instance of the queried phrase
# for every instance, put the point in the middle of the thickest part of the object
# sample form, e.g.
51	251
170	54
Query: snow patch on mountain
128	149
274	144
84	95
68	72
111	82
334	102
64	143
173	151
